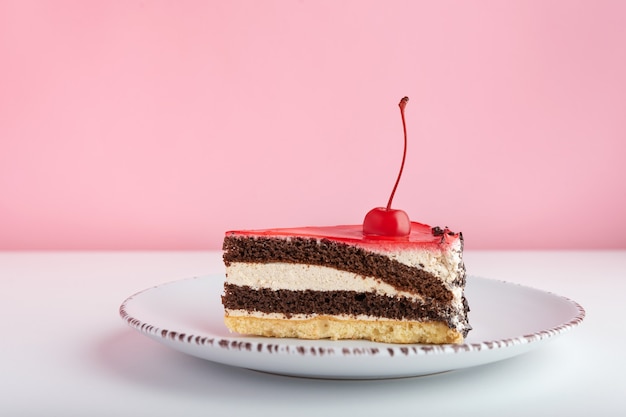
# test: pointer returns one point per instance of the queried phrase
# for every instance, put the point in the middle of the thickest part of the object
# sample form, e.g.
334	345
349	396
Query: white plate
507	319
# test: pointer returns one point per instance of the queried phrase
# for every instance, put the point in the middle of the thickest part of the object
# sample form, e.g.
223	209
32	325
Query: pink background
159	125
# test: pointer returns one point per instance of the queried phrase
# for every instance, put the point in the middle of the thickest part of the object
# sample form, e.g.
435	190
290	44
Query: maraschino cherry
385	221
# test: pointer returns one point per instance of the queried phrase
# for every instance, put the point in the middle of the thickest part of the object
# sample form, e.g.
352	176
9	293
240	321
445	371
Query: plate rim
307	348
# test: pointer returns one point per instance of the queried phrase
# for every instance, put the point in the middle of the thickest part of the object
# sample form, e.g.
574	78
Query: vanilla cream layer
259	315
301	277
445	265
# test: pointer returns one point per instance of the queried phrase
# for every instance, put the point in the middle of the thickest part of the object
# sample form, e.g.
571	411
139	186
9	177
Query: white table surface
65	351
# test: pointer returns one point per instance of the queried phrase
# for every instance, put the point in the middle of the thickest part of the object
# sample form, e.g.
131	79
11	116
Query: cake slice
387	280
339	283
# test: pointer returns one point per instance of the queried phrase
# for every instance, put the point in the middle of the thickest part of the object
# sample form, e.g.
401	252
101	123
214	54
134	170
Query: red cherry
387	221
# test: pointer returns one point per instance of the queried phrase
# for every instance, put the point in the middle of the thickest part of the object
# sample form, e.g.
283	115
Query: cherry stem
402	106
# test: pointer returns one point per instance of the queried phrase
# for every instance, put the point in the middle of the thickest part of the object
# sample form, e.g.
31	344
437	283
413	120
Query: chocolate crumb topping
437	231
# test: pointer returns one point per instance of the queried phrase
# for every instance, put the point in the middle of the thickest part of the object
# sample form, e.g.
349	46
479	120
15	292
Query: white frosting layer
300	277
258	314
442	264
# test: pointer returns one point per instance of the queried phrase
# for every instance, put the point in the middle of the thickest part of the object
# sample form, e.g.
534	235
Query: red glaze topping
421	236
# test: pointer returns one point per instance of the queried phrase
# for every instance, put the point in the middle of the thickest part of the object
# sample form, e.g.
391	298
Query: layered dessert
387	280
338	283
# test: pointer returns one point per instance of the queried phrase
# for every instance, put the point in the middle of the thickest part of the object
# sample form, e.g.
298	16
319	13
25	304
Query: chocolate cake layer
341	256
289	302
